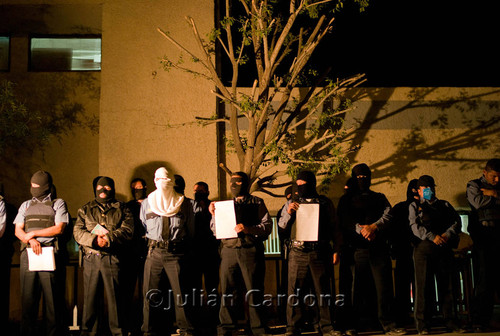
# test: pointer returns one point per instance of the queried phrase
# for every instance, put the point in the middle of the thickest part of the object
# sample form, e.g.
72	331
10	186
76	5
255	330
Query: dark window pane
4	53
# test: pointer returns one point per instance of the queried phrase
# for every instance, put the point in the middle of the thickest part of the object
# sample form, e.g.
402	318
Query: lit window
4	53
65	54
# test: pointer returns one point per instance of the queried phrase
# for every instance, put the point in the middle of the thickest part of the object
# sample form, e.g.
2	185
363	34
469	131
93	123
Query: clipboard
42	262
225	220
307	222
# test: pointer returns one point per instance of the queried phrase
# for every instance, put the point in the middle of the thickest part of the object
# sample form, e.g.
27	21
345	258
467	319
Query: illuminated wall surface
107	65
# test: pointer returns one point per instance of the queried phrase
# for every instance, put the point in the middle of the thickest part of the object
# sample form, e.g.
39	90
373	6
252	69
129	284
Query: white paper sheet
41	262
225	220
307	222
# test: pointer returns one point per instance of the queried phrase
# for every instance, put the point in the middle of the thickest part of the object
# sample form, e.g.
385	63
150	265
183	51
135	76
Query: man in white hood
168	220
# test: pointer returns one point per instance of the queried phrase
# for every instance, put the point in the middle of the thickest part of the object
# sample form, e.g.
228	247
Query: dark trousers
5	263
249	264
101	274
487	267
404	280
319	265
432	260
377	259
156	299
33	284
132	273
345	314
204	268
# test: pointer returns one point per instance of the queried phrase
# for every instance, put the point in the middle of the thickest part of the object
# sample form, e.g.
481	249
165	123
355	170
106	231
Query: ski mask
239	184
179	184
201	192
138	193
411	192
44	182
103	195
307	190
363	175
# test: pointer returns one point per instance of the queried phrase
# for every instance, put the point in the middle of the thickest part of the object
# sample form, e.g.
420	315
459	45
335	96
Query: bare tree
268	121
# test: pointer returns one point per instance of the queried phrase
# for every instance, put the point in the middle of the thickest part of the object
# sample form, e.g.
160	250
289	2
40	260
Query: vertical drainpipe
220	127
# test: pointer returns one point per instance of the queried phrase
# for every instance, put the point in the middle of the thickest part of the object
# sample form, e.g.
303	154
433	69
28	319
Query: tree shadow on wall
46	108
459	122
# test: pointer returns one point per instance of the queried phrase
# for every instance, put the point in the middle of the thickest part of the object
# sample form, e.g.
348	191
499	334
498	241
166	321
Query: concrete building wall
139	99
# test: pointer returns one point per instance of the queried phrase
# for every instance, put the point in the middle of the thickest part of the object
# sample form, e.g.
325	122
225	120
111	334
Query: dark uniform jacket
251	212
114	217
328	229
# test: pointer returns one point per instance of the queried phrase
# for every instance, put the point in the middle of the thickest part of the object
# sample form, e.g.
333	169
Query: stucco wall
139	99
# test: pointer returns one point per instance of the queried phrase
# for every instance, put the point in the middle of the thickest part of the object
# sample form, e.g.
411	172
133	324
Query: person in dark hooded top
103	228
401	239
364	216
243	256
316	256
39	222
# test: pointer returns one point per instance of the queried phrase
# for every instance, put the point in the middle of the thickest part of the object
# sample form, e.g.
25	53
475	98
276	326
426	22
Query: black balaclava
44	180
94	183
289	192
201	196
110	194
351	185
239	189
139	194
410	194
179	184
307	190
364	182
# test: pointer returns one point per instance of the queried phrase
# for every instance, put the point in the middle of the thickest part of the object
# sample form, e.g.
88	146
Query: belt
158	244
305	245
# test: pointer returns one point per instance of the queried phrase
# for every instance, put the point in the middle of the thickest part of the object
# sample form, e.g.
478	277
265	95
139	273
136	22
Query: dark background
412	43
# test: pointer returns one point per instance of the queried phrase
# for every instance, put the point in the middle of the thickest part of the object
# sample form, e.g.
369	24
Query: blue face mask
427	194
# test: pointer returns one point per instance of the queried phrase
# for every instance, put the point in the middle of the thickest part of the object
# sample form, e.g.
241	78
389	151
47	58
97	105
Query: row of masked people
167	244
422	234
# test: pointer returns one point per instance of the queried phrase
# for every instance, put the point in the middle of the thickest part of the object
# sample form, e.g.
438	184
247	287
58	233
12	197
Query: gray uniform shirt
60	209
181	225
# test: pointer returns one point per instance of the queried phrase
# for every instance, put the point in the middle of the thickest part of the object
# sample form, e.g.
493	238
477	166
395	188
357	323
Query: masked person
104	228
206	259
401	239
437	226
135	254
483	195
314	255
39	223
243	256
168	219
364	217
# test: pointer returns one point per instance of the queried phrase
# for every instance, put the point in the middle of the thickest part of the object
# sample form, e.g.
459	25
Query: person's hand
102	241
28	236
36	246
490	192
241	228
335	258
211	208
369	232
292	207
439	240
